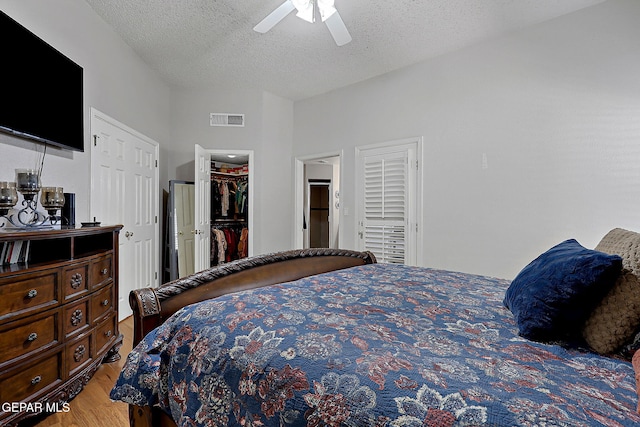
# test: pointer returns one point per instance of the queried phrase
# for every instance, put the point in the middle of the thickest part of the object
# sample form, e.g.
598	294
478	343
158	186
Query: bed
332	338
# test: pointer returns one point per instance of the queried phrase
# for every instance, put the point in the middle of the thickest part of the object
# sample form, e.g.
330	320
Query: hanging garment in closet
243	244
240	195
225	199
218	247
233	207
216	199
232	244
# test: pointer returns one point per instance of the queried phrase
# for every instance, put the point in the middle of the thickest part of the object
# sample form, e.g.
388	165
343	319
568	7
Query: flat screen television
40	89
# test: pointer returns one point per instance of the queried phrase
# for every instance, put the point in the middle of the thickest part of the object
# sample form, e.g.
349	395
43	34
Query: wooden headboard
152	306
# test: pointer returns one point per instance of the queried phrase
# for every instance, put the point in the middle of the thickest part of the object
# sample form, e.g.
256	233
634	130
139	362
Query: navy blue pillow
552	297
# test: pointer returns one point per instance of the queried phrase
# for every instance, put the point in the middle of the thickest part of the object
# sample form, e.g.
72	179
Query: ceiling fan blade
274	17
337	29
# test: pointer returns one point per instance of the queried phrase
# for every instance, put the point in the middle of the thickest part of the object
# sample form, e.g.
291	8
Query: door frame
299	202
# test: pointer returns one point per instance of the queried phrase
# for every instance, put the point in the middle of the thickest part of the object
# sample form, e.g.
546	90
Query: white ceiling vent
226	119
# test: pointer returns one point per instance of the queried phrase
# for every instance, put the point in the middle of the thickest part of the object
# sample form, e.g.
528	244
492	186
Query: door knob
128	234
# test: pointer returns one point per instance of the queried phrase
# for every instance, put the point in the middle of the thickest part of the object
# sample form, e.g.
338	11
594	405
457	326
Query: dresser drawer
75	281
101	271
101	302
29	380
75	317
28	292
78	354
105	334
26	336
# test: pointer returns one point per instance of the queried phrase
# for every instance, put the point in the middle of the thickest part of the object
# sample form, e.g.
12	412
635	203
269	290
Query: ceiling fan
307	11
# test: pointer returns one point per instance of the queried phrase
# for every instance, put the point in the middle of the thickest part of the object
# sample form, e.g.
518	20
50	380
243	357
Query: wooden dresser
58	317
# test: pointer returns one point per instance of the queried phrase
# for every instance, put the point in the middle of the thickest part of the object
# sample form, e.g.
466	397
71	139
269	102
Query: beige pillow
616	319
624	243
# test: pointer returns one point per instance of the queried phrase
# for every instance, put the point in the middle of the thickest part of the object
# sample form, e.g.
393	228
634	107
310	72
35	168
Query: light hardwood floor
92	407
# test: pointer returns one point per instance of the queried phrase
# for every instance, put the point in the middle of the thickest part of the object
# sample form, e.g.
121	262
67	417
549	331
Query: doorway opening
223	206
317	201
319	213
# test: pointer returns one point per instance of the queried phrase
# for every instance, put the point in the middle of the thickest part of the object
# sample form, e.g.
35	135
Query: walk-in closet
229	209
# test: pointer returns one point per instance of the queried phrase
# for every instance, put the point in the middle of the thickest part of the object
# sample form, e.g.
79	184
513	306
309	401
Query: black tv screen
41	89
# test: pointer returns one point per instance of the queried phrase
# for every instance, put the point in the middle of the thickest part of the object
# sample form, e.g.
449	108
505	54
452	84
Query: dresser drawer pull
108	333
36	380
78	355
104	271
105	303
76	317
76	280
32	337
32	293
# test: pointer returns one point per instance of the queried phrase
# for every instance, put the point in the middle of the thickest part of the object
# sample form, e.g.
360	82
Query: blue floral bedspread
377	345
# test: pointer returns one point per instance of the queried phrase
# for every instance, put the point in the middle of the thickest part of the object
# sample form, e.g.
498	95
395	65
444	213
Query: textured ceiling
211	44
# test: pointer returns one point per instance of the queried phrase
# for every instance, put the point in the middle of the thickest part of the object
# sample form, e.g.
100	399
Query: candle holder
52	199
28	184
8	196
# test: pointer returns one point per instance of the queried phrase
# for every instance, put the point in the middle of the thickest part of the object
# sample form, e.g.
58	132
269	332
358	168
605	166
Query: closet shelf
230	174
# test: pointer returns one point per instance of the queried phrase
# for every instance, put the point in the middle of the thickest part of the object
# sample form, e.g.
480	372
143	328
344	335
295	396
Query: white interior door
202	246
387	205
124	190
184	225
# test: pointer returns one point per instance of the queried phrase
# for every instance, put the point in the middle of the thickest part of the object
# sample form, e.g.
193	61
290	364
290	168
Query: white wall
268	132
556	111
275	214
116	82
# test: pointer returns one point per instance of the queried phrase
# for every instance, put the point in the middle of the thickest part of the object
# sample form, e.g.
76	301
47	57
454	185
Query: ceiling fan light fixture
326	8
305	10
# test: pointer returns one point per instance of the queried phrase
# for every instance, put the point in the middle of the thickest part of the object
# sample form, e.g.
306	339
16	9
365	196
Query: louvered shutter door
385	206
